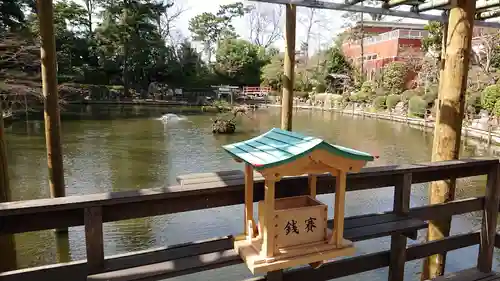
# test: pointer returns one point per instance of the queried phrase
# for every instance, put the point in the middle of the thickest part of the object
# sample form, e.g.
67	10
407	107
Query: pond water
111	148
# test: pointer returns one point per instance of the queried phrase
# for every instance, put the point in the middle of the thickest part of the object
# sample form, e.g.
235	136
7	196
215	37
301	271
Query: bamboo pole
51	98
289	65
450	111
7	243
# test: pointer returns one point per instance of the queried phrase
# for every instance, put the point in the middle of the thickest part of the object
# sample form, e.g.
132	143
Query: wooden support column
338	220
402	192
51	98
94	239
289	65
489	223
249	200
268	227
63	253
313	179
7	242
449	116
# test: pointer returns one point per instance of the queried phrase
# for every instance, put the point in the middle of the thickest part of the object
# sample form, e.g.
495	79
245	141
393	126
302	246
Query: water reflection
125	148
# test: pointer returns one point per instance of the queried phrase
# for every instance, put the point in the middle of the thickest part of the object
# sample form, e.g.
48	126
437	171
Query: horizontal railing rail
93	210
68	211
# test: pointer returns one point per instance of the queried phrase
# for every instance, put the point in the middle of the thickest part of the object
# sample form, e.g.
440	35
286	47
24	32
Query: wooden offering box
293	231
298	221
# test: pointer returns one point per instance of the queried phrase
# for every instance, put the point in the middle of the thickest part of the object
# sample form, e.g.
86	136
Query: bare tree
19	88
265	24
308	19
485	46
167	18
90	7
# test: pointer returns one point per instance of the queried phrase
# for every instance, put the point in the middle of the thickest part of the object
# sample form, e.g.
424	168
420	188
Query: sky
329	22
324	32
195	7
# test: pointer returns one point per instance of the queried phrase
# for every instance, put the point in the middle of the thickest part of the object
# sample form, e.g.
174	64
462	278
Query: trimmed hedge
392	101
473	103
496	110
408	94
430	97
489	97
417	106
379	103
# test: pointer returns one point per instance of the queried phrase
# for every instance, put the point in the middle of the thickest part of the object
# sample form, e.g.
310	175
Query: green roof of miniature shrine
277	147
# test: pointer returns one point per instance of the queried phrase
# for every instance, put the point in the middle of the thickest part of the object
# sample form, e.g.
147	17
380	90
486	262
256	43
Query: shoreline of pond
482	136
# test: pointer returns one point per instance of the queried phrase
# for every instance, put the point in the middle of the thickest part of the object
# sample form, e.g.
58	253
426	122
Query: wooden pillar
268	227
338	221
289	65
7	243
249	201
402	192
449	116
94	239
489	222
51	98
313	179
63	251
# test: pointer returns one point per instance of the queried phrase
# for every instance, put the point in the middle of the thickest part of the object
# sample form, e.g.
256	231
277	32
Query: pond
116	148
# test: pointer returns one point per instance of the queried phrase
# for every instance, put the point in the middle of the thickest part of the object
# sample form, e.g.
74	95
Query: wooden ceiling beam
431	5
371	10
353	2
394	3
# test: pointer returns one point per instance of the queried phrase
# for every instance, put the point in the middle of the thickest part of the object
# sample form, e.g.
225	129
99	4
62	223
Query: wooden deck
226	188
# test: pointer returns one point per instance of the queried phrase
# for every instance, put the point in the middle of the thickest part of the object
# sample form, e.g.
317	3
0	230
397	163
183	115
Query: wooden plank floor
471	274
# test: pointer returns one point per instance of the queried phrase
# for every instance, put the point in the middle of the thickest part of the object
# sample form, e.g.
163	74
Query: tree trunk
7	243
289	64
125	54
51	99
125	70
90	9
449	117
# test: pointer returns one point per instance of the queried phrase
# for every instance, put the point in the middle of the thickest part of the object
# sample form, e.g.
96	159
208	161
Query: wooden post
7	242
489	222
51	98
268	227
450	111
289	65
338	221
402	192
248	200
62	247
313	179
94	239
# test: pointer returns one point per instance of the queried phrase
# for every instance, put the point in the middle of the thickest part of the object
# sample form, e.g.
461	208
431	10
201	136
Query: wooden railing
226	188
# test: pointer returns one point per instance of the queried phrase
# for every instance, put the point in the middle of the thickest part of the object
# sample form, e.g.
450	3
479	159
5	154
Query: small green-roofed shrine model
293	231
